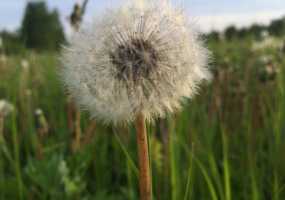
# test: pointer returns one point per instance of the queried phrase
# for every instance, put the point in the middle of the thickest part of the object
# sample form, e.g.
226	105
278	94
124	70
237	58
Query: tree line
257	31
41	30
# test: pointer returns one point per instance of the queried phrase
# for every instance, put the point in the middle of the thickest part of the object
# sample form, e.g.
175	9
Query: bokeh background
228	143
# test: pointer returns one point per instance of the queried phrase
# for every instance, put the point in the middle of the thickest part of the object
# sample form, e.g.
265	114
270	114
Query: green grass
226	144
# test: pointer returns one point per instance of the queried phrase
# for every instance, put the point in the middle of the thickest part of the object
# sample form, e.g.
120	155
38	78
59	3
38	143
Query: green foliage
256	31
213	36
277	27
227	143
11	43
41	29
230	32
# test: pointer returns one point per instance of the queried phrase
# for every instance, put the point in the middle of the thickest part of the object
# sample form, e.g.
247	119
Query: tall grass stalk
209	182
189	184
242	160
17	164
173	161
226	165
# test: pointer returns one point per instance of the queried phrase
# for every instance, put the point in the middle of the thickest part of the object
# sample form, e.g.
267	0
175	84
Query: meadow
228	143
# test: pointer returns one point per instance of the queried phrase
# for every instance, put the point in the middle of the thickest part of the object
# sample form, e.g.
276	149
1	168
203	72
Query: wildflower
137	62
3	58
265	59
267	42
265	34
142	58
6	108
28	92
62	168
269	71
41	123
25	64
72	185
38	112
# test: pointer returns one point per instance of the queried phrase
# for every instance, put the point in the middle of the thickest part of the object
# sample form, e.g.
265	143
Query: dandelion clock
135	63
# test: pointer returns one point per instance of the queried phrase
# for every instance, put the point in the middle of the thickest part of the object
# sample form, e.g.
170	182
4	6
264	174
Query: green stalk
173	170
227	175
17	159
189	184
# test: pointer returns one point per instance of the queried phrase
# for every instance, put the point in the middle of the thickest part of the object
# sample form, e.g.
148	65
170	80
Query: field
228	143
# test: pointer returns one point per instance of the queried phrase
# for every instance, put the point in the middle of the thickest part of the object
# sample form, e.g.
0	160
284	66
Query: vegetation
256	31
41	30
228	142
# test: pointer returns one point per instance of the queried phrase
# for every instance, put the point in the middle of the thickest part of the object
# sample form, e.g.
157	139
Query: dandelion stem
144	168
74	124
77	131
89	133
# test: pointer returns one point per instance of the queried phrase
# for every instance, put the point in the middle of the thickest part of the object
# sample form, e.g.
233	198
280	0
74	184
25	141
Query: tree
214	36
57	29
242	33
11	43
277	27
256	31
41	29
231	32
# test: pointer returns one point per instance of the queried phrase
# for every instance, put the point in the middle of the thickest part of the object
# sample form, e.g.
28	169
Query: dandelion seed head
6	108
25	64
134	60
3	58
38	112
144	57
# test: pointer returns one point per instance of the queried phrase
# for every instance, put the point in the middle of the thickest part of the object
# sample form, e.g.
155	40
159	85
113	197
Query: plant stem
77	131
16	145
1	126
144	168
89	133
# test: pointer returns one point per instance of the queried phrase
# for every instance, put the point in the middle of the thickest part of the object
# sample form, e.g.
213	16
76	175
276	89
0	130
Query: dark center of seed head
134	60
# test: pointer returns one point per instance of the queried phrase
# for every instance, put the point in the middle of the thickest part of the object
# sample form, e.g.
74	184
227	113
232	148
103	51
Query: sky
207	14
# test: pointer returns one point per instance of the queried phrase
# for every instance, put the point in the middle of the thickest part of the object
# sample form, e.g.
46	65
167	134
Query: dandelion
265	34
42	128
24	78
3	58
135	60
267	42
135	63
268	70
6	108
25	65
41	123
28	92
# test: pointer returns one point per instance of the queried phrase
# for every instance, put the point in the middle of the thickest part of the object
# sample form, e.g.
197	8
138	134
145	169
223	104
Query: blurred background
228	143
